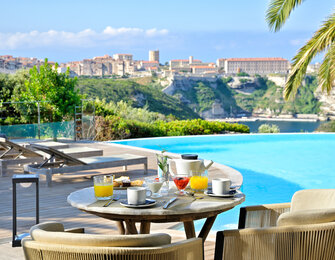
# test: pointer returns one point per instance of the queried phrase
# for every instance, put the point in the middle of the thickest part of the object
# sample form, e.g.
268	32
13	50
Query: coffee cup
137	195
221	186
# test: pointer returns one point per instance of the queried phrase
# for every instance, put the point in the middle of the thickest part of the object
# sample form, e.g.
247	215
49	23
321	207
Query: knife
169	203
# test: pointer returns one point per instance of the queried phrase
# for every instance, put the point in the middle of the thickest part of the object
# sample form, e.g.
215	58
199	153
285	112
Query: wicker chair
302	229
50	241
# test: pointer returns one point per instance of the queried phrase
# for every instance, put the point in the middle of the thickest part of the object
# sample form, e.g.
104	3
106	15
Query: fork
110	201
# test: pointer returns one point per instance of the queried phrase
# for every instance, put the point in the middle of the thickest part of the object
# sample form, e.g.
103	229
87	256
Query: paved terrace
53	205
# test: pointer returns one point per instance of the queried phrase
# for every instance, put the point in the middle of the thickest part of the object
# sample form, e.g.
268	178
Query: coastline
255	119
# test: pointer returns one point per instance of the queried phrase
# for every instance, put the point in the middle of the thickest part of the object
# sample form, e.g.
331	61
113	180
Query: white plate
148	203
227	195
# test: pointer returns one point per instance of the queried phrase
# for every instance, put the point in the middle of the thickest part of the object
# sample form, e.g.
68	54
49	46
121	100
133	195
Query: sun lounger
68	164
55	145
16	154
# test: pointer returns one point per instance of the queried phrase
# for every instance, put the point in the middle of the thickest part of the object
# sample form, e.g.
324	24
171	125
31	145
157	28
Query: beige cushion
303	217
49	226
52	233
313	199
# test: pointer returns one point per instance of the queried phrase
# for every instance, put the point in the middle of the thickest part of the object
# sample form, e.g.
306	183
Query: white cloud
298	42
86	38
154	32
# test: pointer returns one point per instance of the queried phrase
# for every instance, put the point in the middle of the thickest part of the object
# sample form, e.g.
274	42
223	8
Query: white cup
137	195
221	186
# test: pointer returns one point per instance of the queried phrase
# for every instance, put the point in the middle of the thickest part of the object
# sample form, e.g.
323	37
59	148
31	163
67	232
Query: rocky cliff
212	97
327	103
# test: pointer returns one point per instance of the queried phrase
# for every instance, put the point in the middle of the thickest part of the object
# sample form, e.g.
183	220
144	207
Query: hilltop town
124	65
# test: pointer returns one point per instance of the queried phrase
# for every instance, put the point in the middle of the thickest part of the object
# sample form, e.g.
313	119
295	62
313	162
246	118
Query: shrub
114	128
326	127
242	74
266	128
110	128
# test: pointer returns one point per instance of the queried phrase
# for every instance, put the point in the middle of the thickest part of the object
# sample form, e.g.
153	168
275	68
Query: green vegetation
326	127
125	111
136	95
242	74
55	92
58	89
9	85
114	127
243	81
269	96
202	95
266	128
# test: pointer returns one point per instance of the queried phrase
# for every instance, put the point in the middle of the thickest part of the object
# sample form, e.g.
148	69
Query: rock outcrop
328	103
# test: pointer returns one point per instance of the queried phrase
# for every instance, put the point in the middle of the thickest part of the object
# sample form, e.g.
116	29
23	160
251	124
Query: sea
284	126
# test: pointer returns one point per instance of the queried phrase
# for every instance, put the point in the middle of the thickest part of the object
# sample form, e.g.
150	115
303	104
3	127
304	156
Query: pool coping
239	134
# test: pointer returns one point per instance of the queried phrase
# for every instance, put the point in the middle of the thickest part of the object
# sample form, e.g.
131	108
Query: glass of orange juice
103	187
199	181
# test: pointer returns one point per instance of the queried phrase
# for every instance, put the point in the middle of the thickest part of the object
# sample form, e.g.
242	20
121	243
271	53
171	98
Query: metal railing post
38	120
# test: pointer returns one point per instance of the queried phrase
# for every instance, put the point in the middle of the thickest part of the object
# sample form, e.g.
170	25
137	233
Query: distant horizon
66	31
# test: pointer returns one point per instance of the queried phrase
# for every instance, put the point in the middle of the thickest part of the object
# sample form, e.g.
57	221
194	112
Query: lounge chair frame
13	153
67	164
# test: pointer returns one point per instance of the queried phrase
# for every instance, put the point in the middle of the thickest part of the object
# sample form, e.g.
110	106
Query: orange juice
103	190
199	182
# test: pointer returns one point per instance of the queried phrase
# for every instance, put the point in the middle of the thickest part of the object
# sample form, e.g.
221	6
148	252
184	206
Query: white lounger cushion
303	217
103	159
310	206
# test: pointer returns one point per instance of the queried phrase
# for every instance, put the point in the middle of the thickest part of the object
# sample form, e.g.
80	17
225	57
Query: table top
184	208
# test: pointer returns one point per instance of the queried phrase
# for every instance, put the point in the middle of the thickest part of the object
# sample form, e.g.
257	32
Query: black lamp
23	178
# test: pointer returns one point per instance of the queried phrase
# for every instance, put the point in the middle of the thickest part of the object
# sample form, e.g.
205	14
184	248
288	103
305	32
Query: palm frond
279	11
321	40
327	70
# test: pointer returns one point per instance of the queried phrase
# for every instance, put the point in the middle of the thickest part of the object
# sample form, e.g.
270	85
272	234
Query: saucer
148	203
229	194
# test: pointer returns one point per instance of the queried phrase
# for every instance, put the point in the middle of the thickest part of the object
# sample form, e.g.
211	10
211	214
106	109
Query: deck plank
54	207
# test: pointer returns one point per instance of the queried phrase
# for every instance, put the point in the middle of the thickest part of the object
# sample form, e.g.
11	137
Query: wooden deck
53	205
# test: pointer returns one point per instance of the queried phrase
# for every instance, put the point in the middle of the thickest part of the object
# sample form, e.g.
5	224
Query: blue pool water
273	166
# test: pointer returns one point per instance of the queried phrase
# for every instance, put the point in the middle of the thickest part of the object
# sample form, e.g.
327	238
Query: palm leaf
321	41
327	70
279	11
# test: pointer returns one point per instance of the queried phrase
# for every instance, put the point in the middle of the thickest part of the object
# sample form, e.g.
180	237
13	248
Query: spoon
192	194
110	201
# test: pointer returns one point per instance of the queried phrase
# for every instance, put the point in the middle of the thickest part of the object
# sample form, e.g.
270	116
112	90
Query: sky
74	30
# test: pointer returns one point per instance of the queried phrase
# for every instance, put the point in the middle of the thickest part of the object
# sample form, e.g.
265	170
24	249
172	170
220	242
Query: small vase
165	187
159	172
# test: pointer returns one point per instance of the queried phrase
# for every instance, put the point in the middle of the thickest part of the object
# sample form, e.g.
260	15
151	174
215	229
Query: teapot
190	164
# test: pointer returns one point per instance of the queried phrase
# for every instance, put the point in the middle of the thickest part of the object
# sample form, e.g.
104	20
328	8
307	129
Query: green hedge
115	128
326	127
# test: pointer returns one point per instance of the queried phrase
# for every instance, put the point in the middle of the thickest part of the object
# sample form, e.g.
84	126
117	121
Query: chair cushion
49	226
303	217
313	199
41	233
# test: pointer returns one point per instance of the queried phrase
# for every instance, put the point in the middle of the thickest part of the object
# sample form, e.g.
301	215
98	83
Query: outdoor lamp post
23	178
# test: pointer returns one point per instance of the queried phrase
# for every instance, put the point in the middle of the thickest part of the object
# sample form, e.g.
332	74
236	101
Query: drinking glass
199	181
154	184
103	187
181	181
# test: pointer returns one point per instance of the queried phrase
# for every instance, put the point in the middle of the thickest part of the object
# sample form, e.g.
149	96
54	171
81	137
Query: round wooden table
186	209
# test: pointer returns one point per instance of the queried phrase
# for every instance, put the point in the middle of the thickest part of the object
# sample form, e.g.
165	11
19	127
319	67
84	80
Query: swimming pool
273	166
